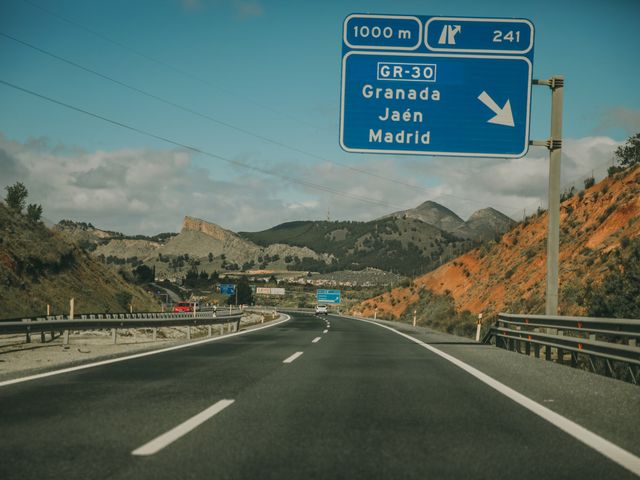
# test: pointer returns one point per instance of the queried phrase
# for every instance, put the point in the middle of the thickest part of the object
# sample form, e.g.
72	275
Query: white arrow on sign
503	115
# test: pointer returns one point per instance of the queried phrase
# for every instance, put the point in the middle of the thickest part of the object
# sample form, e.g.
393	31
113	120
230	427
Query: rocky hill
198	238
483	225
407	243
599	242
39	266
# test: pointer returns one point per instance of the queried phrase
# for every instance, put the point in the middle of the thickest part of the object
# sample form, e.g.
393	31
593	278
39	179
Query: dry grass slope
38	267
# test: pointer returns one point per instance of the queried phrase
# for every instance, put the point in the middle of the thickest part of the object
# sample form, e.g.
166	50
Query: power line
164	64
204	152
200	114
206	82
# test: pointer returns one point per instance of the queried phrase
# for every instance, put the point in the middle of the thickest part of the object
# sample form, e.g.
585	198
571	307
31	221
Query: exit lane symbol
503	115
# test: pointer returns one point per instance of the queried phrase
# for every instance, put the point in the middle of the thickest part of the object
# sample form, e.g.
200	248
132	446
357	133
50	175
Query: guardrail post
574	359
28	336
221	329
155	333
188	332
114	335
547	352
209	333
560	355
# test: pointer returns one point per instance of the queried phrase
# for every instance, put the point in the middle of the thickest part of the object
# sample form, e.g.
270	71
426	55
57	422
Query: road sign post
554	144
436	85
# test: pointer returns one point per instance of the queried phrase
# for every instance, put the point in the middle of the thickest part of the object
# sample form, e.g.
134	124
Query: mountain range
408	242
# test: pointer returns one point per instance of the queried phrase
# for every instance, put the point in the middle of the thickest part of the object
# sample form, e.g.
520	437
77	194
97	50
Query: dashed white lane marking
139	355
316	340
325	331
292	357
610	450
158	443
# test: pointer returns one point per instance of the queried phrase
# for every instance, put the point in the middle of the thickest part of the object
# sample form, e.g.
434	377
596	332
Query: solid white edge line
292	357
316	340
158	443
137	355
610	450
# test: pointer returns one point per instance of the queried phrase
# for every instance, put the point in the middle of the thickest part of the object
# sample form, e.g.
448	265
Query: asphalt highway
314	397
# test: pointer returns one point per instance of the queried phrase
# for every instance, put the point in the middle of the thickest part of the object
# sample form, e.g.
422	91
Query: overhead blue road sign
227	289
464	89
328	296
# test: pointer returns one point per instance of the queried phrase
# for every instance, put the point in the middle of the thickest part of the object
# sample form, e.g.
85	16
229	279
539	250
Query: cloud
514	185
241	8
247	8
136	190
627	119
150	190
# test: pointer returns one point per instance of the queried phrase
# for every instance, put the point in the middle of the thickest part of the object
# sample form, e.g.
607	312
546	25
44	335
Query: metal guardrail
607	346
99	321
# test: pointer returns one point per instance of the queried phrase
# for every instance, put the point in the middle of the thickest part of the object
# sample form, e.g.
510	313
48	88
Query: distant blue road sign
328	296
227	289
436	85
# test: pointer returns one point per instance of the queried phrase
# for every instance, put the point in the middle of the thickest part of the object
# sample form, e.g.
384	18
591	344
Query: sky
255	85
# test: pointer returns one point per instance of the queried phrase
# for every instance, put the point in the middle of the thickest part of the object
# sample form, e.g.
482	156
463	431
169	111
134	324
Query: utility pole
554	144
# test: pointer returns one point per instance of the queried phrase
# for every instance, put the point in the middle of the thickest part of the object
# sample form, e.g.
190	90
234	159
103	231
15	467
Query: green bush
589	182
617	296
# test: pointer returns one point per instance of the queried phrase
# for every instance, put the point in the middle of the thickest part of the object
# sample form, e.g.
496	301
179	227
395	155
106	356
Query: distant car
184	307
321	309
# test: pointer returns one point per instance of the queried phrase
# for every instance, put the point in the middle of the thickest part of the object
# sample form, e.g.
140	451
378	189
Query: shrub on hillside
439	312
589	182
124	299
629	153
617	296
16	197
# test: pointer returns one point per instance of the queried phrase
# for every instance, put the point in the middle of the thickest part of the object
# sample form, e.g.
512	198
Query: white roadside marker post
71	315
479	326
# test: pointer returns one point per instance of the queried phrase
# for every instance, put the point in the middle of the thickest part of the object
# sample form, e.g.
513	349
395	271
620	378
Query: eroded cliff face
211	229
199	237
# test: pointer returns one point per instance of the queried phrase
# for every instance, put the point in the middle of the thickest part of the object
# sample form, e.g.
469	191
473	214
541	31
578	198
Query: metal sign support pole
554	144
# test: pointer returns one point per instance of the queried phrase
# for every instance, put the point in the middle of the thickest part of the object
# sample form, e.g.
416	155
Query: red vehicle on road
184	307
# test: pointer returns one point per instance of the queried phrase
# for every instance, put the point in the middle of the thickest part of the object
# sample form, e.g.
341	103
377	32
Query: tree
16	196
191	280
144	274
629	153
34	212
244	292
210	257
